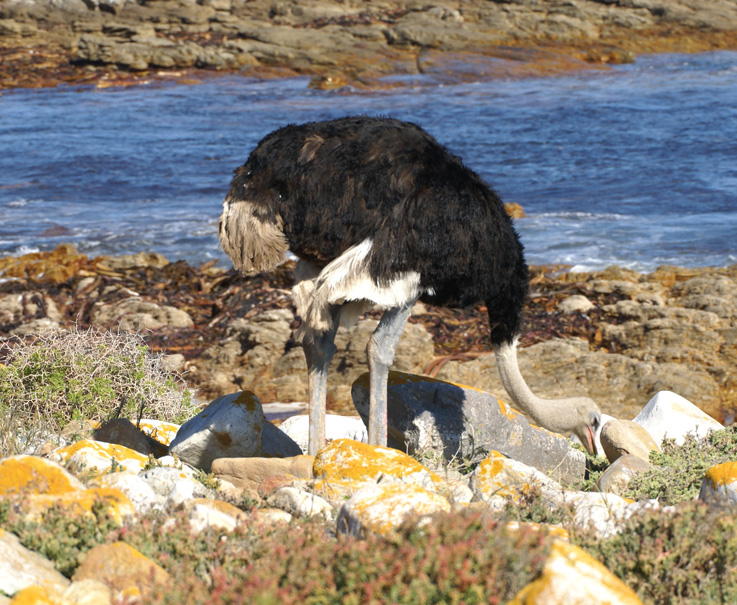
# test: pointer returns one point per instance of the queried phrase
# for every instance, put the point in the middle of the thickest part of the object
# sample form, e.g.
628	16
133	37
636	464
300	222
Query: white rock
670	415
230	427
599	511
213	514
574	303
162	479
139	492
383	508
300	503
184	490
336	427
21	568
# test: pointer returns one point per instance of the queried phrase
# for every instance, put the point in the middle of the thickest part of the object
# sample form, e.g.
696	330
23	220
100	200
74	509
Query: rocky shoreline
338	43
615	335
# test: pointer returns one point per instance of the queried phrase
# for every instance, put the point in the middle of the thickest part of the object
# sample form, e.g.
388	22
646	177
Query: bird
379	213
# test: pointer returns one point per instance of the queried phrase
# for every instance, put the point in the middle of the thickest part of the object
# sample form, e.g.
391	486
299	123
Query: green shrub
683	557
61	537
53	378
678	470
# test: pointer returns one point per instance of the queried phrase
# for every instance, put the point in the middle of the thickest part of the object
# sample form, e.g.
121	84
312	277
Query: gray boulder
464	422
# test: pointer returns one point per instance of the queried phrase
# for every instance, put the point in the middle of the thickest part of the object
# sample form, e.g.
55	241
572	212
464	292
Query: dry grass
53	378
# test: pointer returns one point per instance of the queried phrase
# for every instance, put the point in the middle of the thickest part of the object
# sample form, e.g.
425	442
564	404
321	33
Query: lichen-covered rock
498	478
40	484
100	456
163	432
719	485
382	508
122	431
672	416
573	577
353	462
231	426
20	475
122	568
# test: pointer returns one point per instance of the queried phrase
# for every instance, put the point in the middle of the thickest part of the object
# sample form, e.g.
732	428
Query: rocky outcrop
353	42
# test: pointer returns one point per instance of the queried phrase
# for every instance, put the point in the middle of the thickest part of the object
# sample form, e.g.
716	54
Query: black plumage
328	186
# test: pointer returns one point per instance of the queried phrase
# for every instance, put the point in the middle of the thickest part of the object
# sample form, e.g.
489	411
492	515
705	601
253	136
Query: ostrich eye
595	419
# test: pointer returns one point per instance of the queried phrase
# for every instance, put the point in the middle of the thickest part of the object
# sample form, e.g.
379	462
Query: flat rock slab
428	414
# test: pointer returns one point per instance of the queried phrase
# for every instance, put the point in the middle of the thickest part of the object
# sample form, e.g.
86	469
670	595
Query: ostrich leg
319	350
380	353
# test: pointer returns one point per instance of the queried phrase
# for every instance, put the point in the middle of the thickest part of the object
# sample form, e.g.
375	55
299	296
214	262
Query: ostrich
379	213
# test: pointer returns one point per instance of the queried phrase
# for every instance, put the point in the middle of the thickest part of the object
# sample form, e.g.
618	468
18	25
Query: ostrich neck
558	415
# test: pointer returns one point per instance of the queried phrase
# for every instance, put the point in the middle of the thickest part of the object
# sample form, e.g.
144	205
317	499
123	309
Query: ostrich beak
589	444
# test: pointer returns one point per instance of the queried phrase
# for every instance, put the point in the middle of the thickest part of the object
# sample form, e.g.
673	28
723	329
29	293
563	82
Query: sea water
634	166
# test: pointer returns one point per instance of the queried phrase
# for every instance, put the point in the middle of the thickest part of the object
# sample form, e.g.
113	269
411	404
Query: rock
216	514
99	456
498	478
354	462
139	492
123	432
174	485
250	472
21	568
573	577
620	472
575	303
719	485
88	592
277	444
23	475
300	503
135	314
271	516
163	432
668	415
336	427
38	484
622	437
383	508
599	512
428	414
229	427
122	568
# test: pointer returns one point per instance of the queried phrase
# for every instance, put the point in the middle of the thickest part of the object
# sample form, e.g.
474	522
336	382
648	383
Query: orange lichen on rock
383	508
21	475
115	503
99	455
161	431
122	568
348	460
573	577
